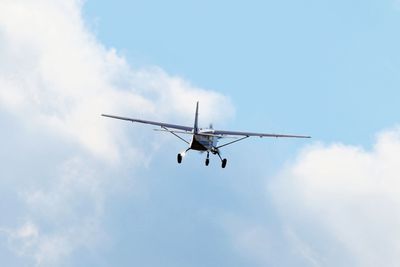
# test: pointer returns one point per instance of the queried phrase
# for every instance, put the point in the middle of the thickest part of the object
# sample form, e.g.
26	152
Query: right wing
248	134
161	124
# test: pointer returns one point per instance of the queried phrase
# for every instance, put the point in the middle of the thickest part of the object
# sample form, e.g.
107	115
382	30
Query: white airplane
203	140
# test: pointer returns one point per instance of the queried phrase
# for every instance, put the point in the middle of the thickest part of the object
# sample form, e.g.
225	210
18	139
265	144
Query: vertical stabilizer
196	127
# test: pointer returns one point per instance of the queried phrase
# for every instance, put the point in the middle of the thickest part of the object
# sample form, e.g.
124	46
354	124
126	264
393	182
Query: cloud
60	214
54	73
52	249
253	240
56	79
342	203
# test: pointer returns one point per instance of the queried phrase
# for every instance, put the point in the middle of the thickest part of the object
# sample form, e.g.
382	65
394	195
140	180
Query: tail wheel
179	158
224	161
207	162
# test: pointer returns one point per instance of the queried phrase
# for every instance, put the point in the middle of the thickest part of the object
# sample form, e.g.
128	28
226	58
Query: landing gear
224	161
180	156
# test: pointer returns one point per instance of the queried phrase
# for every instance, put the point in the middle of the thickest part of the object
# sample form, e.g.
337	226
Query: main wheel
207	162
179	158
224	161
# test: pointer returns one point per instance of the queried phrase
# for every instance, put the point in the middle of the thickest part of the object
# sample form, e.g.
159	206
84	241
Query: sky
77	189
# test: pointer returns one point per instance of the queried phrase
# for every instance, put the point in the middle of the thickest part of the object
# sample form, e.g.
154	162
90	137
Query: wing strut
175	134
240	139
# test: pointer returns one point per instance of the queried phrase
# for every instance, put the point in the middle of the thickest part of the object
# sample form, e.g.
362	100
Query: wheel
207	162
179	158
224	161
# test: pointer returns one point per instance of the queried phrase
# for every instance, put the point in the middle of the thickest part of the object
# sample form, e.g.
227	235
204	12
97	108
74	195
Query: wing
233	133
161	124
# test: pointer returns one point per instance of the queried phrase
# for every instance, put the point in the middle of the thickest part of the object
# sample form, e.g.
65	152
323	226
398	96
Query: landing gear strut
223	161
208	158
180	156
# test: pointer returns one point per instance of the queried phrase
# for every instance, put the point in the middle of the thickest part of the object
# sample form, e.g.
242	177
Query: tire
207	162
179	158
224	161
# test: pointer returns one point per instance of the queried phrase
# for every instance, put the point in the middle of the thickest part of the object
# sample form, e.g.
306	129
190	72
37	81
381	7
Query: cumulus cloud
60	213
56	79
342	203
54	73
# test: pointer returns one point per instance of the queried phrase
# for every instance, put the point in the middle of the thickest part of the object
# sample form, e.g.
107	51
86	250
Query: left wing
248	134
161	124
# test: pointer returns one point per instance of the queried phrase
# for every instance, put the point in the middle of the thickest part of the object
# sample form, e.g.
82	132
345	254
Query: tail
196	127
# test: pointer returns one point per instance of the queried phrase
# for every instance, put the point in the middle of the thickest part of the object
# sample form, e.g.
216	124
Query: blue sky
77	189
286	65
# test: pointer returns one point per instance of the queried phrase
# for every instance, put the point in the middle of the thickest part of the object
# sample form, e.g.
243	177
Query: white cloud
27	231
344	202
54	73
61	215
56	79
53	248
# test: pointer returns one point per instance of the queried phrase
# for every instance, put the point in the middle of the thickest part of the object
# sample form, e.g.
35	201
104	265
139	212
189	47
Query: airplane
203	140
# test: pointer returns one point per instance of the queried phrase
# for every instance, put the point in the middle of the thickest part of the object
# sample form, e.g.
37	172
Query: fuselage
204	141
